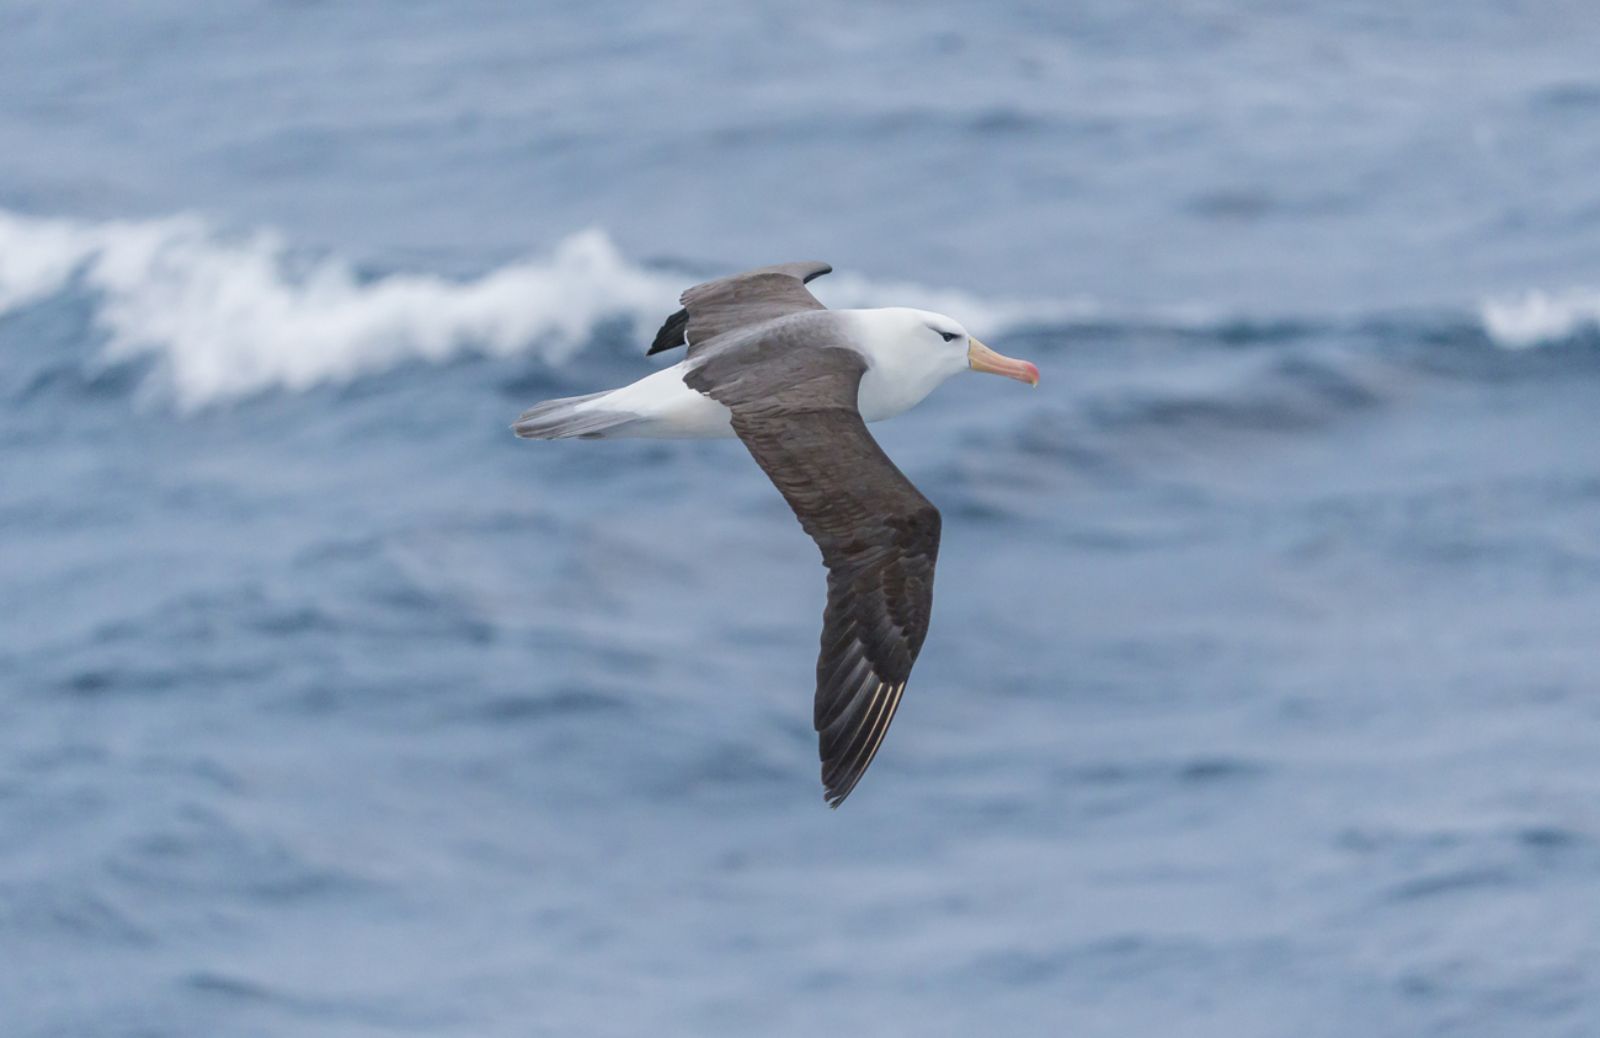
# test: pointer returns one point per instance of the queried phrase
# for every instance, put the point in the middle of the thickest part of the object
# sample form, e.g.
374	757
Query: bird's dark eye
949	336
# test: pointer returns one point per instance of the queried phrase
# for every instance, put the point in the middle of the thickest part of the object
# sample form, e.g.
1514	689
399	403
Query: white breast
886	392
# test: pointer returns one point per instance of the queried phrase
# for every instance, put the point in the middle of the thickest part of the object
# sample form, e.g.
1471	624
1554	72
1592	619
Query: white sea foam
229	315
1538	318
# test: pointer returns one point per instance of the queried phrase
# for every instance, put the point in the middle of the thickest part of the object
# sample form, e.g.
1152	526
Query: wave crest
228	316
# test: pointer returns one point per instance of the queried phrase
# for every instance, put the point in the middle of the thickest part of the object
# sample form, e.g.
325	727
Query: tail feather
566	418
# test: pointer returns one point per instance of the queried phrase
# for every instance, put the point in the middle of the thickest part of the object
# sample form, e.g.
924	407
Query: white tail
573	416
658	406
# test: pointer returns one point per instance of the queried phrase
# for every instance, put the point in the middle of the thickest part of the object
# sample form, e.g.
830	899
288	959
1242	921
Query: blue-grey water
1262	696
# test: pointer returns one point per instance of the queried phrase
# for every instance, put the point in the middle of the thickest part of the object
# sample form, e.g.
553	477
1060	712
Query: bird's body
796	383
662	406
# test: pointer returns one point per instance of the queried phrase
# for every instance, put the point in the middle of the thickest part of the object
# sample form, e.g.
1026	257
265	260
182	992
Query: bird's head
921	342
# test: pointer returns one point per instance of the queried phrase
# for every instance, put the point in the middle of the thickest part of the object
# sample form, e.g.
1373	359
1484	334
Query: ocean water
1262	695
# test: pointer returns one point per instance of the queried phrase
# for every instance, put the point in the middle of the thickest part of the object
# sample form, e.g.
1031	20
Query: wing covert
722	305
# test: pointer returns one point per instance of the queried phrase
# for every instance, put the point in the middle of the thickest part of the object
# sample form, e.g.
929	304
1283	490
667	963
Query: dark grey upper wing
732	302
795	409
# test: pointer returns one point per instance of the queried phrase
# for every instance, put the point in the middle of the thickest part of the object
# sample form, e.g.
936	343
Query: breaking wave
228	315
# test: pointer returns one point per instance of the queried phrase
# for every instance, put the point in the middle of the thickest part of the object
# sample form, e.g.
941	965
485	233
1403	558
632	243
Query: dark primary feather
795	409
742	299
672	334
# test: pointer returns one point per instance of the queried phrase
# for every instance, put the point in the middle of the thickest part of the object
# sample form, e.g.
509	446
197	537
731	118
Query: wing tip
863	748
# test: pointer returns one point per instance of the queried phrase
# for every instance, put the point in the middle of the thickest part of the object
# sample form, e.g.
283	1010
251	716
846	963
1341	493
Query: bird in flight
797	383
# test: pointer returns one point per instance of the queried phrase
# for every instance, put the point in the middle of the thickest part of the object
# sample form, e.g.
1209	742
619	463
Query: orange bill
982	358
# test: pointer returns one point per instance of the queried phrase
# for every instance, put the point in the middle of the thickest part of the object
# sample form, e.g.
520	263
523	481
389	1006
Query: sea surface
1262	696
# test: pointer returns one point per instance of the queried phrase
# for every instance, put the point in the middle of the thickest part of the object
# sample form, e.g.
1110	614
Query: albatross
797	383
